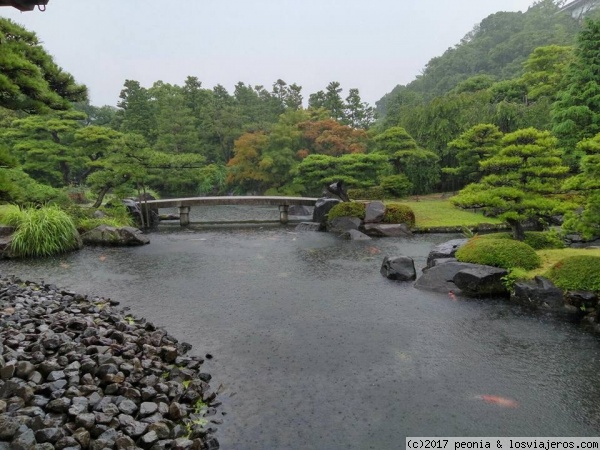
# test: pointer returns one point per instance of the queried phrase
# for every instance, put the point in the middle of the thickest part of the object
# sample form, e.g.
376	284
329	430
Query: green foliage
18	187
370	193
498	253
399	213
538	240
347	209
396	186
520	180
514	274
30	80
44	231
580	273
576	114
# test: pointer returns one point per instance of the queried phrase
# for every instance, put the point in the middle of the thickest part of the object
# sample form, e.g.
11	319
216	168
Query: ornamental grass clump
41	231
347	209
399	213
504	253
576	273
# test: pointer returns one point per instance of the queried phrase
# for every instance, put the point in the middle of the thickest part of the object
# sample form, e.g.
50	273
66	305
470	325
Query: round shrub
399	213
505	253
370	193
576	273
347	209
42	231
538	240
396	185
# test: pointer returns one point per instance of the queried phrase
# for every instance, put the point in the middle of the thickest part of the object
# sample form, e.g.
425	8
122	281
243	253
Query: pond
313	348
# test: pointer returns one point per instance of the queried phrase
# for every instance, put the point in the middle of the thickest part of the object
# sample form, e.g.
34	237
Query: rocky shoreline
80	373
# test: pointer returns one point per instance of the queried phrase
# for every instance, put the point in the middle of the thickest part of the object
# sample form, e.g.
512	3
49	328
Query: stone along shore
78	373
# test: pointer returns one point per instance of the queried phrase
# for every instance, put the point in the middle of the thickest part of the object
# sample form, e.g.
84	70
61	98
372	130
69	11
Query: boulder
401	268
482	281
5	251
374	212
438	261
387	230
322	208
441	277
115	236
343	224
539	293
445	250
308	226
355	235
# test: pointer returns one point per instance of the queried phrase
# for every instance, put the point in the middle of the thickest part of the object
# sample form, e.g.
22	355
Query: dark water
316	350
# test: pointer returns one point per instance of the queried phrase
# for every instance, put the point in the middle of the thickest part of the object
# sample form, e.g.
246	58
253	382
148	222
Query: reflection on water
316	349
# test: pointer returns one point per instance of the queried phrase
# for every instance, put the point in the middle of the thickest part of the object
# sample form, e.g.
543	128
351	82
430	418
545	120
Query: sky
368	45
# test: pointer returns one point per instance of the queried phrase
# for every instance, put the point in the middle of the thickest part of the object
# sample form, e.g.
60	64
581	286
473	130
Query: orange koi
373	250
500	401
102	257
452	296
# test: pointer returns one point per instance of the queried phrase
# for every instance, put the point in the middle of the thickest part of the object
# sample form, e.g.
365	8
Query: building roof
24	5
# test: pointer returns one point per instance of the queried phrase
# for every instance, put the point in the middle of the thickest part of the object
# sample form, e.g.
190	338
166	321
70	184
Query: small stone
161	429
60	405
51	435
25	440
177	411
82	436
149	438
56	375
24	369
8	427
86	420
128	407
148	408
125	443
66	443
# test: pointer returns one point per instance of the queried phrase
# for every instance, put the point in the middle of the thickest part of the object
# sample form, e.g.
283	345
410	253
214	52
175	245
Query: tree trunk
101	195
517	230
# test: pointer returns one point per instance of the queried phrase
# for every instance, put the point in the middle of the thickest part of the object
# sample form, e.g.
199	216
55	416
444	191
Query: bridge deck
231	200
184	204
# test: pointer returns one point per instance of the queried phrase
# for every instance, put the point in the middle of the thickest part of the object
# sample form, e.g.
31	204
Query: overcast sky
370	45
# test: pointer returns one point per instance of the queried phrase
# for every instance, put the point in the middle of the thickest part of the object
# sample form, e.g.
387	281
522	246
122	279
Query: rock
400	268
374	212
343	224
441	277
482	281
113	236
355	235
583	300
25	440
322	208
539	293
308	226
387	230
8	427
438	261
445	250
51	435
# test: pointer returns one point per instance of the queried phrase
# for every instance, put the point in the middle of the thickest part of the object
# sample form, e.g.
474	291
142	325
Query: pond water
314	349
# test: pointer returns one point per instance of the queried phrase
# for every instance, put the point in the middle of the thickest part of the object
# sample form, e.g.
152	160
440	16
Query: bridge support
184	216
283	214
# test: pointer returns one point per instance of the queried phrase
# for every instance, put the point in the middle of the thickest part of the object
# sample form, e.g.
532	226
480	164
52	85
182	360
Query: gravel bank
80	373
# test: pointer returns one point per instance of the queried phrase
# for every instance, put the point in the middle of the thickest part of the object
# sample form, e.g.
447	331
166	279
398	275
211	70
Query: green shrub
347	209
505	253
396	186
576	273
42	231
399	213
538	240
88	224
371	193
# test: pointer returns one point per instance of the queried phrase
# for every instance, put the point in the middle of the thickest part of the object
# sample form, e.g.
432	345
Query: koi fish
64	265
500	401
373	250
452	296
102	257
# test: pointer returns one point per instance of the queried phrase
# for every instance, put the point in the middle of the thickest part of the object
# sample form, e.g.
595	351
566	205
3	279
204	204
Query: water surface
316	350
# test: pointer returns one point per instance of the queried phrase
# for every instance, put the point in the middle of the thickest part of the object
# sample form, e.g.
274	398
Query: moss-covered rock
399	213
576	273
503	253
347	209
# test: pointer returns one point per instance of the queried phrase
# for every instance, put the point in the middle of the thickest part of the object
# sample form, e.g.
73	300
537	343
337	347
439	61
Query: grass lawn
432	212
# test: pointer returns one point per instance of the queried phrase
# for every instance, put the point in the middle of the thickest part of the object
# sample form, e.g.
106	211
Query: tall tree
136	111
419	165
358	113
519	180
30	81
576	114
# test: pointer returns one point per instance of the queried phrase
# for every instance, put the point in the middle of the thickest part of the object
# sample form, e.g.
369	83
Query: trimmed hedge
504	253
576	273
399	213
538	240
347	209
372	193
